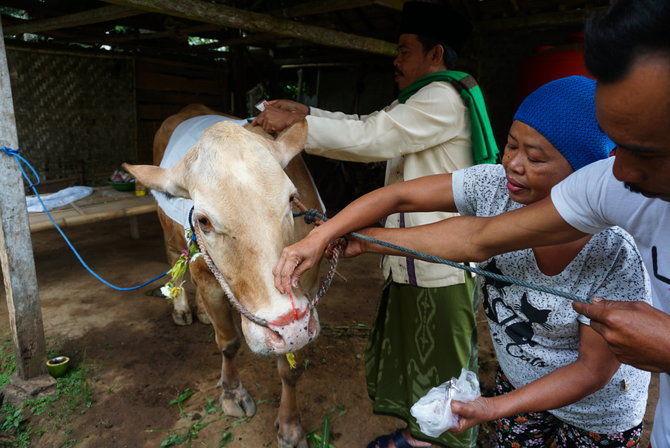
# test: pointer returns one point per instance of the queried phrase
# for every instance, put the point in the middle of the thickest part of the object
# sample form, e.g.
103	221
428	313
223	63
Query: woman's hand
472	413
351	247
296	259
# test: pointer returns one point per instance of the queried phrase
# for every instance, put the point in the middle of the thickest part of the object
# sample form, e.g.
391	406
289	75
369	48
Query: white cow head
242	204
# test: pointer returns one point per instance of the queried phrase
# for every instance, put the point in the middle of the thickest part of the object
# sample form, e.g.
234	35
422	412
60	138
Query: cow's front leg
235	400
174	241
181	311
201	308
289	429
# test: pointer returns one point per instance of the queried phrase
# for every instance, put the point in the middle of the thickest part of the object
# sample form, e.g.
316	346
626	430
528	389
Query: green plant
212	413
7	364
15	426
323	440
179	401
72	393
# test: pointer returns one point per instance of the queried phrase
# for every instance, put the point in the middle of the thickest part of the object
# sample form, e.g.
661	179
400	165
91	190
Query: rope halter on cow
311	217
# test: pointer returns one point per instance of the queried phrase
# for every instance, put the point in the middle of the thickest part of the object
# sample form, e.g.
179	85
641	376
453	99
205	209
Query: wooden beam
568	18
18	265
319	7
254	22
391	4
248	40
193	30
302	10
104	14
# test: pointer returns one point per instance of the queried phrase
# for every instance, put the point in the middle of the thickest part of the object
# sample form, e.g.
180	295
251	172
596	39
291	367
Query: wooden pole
103	14
254	22
18	265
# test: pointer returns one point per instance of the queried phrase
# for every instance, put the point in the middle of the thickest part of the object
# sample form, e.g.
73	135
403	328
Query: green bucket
58	365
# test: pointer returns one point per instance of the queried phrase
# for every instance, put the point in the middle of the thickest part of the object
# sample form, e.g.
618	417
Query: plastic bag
58	199
433	411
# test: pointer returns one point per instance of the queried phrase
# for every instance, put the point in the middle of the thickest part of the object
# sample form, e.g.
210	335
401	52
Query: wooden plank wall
75	114
162	88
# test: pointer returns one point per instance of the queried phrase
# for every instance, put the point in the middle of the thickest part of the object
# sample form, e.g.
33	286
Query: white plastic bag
58	199
433	411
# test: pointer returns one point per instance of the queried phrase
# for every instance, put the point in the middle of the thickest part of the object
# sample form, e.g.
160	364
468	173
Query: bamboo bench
104	204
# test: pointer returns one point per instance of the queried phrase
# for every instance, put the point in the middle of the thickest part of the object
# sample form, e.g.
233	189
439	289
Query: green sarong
421	338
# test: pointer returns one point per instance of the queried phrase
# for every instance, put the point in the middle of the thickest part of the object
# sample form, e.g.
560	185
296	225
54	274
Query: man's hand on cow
274	120
296	259
290	106
637	333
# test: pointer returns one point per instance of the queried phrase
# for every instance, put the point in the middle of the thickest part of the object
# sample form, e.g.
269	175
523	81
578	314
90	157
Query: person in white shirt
628	51
426	131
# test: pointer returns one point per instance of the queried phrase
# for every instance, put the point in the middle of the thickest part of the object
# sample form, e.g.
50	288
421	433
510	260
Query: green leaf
182	397
226	438
210	407
326	432
173	440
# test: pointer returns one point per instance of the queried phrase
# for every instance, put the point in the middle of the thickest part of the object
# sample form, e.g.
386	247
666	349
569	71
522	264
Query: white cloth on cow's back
57	199
183	138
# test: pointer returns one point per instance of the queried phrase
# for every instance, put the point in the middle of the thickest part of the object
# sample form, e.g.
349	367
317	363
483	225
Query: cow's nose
292	335
274	340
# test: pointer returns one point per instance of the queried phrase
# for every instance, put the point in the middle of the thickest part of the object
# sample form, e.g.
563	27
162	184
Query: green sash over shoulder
484	148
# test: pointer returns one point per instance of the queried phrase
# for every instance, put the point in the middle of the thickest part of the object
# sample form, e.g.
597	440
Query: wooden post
18	265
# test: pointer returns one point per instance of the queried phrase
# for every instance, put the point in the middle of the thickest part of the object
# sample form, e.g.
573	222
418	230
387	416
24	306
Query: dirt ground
141	361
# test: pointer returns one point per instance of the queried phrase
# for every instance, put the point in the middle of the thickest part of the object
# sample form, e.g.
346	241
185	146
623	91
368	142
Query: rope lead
434	259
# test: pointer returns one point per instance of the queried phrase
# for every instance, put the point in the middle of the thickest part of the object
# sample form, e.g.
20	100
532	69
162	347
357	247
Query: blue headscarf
564	112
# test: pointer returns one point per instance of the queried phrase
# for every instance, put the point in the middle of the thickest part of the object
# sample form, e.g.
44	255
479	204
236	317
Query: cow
242	184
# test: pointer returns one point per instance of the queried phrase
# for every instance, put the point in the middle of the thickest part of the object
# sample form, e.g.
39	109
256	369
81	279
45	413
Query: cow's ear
157	178
290	142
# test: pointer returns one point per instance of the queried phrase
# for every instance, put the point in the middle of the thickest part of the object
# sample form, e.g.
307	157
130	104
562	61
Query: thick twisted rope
200	241
223	282
312	216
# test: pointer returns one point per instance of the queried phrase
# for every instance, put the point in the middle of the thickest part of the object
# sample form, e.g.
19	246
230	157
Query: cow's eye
291	198
203	222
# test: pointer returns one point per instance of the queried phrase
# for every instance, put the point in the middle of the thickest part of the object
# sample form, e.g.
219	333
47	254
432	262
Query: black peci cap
437	21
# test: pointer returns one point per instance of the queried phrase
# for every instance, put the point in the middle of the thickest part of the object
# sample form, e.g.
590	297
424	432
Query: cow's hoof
203	317
290	444
291	435
237	402
182	317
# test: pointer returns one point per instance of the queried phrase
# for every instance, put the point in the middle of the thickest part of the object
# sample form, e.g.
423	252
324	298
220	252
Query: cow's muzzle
296	331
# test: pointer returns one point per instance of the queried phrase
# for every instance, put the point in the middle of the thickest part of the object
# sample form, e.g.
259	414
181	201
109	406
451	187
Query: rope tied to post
22	161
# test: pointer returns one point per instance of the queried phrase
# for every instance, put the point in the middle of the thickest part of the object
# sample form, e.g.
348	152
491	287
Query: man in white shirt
426	317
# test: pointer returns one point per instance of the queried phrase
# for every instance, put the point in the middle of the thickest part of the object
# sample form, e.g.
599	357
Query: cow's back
164	133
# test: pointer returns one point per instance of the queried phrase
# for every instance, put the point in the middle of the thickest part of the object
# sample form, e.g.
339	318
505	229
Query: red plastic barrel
552	62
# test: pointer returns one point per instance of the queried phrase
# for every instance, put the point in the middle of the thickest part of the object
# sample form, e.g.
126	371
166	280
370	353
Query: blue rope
311	213
20	160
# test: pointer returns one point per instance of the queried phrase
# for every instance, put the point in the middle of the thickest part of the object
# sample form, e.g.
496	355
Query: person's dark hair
629	29
450	56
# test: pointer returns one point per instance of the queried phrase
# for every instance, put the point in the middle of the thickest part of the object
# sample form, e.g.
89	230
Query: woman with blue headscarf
558	383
